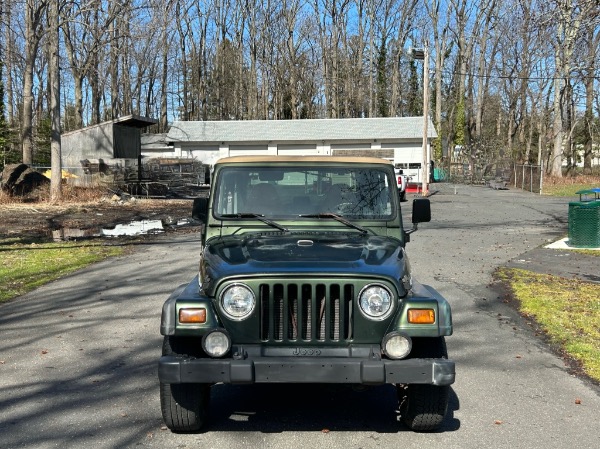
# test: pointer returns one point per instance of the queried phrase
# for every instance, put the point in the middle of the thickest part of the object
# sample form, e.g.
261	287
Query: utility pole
426	148
423	55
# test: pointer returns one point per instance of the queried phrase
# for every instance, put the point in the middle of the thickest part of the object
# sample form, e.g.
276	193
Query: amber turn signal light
421	316
192	316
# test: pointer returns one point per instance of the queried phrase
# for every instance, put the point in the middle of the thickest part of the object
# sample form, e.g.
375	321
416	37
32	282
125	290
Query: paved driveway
78	356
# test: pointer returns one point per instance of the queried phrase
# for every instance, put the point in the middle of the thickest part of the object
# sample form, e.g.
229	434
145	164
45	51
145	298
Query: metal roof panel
393	128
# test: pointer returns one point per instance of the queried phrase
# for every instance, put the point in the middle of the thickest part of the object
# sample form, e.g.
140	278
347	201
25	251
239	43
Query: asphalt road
78	356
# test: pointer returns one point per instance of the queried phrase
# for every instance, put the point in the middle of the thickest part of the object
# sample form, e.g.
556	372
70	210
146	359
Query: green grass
565	189
588	252
567	310
569	185
26	266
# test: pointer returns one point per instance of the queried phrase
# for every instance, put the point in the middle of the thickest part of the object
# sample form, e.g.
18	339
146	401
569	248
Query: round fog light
396	345
216	343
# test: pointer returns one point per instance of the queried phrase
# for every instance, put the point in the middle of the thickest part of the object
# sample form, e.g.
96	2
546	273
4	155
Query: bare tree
165	44
567	16
404	20
333	16
34	14
268	59
252	14
86	34
8	57
440	44
289	12
592	41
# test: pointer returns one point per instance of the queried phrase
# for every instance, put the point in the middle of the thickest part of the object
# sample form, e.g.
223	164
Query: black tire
403	196
423	407
184	406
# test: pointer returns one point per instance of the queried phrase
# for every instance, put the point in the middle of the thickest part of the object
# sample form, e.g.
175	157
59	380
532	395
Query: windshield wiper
336	218
257	216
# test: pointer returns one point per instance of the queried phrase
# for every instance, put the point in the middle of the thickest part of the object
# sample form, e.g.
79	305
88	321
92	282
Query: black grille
296	312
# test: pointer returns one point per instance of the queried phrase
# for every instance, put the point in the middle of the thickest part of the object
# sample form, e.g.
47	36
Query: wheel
403	196
423	407
184	406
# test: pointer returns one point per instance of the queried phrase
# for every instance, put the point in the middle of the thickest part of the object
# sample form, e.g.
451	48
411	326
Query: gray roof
390	129
131	121
154	142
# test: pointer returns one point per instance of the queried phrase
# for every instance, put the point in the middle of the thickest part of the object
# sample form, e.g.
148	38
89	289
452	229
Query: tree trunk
557	151
253	75
163	122
34	11
440	45
568	24
593	39
94	78
124	19
113	32
55	143
372	14
8	60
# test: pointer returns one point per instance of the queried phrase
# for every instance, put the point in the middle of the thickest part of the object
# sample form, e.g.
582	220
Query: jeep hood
301	254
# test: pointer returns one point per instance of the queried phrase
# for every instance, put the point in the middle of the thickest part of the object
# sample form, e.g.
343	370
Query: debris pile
20	179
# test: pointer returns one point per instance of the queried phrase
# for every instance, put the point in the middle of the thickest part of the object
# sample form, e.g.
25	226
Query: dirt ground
38	220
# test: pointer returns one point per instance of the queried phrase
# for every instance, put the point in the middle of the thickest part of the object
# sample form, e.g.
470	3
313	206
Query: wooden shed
116	142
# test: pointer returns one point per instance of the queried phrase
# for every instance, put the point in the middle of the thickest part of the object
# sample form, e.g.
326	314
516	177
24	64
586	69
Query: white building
399	139
595	162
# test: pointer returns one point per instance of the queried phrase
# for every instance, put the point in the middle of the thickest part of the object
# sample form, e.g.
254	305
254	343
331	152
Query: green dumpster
584	220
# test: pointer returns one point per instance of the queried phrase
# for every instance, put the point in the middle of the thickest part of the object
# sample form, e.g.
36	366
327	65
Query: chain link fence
158	178
529	177
500	174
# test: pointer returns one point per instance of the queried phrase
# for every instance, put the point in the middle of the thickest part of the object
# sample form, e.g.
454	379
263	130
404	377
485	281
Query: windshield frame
232	179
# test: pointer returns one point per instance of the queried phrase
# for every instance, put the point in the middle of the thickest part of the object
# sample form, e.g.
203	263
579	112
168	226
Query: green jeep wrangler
304	278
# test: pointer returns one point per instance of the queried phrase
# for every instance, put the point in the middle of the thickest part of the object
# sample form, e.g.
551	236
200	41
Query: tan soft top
309	159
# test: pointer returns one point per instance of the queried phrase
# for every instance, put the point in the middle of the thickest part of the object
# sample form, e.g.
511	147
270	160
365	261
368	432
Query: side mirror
421	210
200	209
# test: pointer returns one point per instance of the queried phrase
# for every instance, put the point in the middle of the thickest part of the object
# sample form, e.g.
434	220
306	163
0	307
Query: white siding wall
407	153
410	157
300	149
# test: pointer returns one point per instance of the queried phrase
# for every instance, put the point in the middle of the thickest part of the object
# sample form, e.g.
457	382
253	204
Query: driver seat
262	198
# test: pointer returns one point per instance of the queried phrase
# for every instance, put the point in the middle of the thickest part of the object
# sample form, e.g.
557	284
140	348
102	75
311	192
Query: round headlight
216	343
396	345
237	301
375	301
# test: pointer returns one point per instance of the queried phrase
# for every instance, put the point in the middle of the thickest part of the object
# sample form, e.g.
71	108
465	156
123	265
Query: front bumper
176	369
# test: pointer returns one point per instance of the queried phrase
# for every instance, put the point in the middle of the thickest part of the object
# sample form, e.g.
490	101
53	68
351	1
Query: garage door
248	150
302	149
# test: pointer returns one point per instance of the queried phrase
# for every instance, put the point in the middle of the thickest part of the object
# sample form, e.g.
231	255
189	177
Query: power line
522	78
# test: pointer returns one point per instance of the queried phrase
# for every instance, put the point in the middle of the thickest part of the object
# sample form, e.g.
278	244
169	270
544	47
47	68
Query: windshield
288	192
